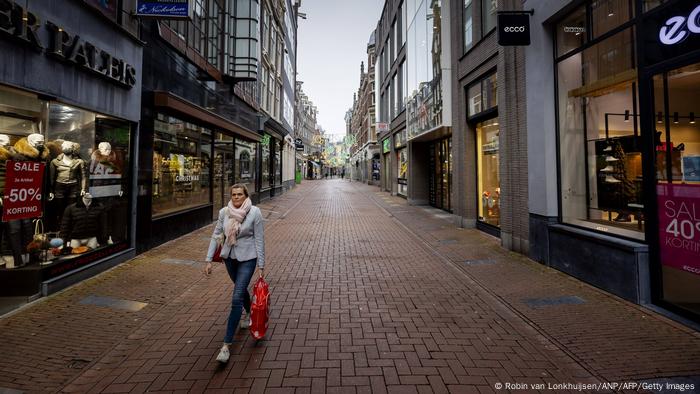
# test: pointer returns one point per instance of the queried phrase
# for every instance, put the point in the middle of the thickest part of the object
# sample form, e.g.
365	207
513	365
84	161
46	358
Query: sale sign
23	182
679	226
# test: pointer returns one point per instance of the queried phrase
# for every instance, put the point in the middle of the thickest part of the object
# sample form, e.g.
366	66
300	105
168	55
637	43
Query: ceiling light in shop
659	117
675	118
692	118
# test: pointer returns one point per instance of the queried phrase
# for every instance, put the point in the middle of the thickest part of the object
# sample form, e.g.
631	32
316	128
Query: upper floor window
468	25
489	9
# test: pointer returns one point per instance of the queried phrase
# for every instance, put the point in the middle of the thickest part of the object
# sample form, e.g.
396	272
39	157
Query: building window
600	147
214	33
468	25
181	162
489	9
482	96
241	39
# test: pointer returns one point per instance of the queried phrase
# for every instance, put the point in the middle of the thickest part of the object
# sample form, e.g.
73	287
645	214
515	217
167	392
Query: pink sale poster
679	226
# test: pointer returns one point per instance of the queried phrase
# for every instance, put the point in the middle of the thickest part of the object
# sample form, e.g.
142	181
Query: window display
265	162
181	162
277	164
488	164
73	213
600	145
223	170
245	164
402	155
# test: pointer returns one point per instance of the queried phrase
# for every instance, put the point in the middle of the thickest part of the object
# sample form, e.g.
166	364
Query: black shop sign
671	31
513	29
25	27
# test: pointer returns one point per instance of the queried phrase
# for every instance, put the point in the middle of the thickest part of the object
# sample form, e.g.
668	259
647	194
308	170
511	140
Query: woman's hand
207	268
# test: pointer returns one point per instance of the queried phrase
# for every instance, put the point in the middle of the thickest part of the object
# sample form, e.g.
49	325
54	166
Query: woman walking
240	228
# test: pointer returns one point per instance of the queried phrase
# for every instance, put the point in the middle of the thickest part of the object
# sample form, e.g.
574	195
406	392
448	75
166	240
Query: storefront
482	117
386	165
401	152
440	162
629	150
68	119
270	166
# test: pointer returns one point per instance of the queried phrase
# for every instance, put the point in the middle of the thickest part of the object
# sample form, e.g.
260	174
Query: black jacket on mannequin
80	222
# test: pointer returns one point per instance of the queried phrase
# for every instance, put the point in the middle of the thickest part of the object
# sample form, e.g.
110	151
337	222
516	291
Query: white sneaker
611	179
611	158
608	149
609	168
224	354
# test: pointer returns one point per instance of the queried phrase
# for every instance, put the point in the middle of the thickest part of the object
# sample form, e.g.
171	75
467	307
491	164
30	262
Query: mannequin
104	161
31	148
7	152
84	224
67	180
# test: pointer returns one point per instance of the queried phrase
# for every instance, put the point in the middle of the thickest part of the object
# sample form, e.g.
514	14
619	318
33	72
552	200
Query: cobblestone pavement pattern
368	295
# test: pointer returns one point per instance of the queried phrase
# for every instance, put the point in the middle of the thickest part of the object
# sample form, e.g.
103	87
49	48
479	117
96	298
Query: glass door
677	147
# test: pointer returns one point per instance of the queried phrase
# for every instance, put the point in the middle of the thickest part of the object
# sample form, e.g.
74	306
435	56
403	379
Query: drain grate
535	303
114	303
480	262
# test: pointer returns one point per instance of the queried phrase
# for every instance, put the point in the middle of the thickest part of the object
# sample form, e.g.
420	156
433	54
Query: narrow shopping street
369	294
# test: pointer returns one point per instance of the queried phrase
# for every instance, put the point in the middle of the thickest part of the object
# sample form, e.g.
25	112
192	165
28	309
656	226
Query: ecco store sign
25	26
678	28
513	29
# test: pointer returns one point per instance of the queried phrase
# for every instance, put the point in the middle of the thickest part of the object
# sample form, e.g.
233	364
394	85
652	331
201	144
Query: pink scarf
236	217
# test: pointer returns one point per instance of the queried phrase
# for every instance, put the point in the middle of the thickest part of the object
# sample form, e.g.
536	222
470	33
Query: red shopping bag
260	309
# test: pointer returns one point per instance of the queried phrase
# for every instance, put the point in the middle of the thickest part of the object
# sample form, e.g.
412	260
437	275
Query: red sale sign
23	182
679	226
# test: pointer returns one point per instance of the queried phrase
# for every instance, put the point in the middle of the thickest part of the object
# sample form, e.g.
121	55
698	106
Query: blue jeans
240	272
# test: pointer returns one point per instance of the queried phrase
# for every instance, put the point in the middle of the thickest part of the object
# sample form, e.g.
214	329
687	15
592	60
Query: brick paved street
369	295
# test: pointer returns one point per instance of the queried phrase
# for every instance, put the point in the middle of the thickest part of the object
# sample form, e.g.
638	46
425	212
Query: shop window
600	147
245	164
571	32
676	102
82	203
265	161
181	163
402	161
648	5
487	141
223	166
609	14
278	162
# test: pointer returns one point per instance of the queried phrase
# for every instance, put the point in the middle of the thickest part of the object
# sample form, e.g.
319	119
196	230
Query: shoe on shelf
609	168
224	355
611	179
611	158
608	149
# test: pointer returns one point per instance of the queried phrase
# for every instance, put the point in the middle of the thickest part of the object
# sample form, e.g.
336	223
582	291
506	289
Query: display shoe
611	158
623	217
680	147
224	355
608	149
611	179
609	168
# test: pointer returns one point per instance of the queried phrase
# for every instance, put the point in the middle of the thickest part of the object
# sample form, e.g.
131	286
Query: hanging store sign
382	127
165	9
679	226
25	27
513	29
23	183
298	144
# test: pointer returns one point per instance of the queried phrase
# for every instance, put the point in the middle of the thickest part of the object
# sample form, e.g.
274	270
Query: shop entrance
440	188
677	147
